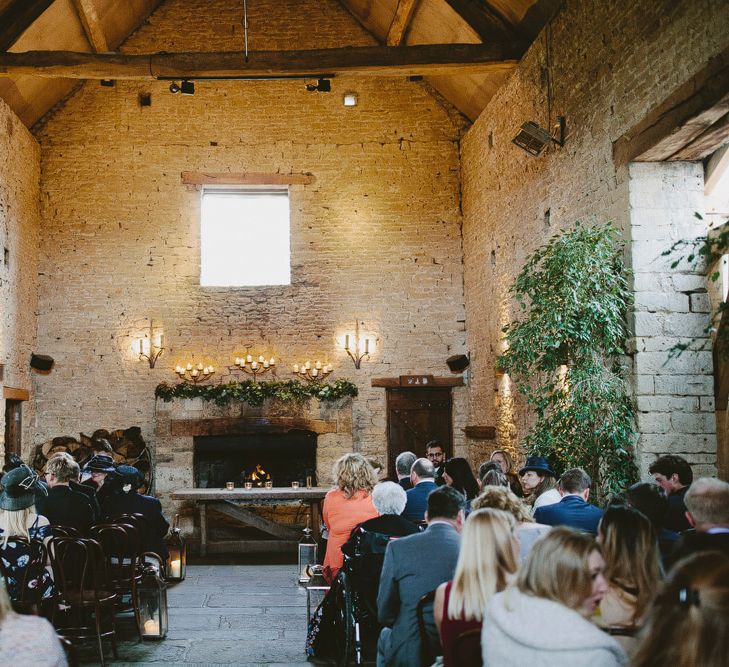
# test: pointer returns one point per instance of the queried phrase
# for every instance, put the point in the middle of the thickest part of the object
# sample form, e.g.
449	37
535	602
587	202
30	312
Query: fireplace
286	457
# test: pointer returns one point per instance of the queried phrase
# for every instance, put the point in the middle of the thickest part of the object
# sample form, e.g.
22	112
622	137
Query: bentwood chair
25	594
467	649
86	609
428	651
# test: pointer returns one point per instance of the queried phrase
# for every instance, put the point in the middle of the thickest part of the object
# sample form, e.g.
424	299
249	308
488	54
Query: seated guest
124	499
19	519
486	564
688	623
486	468
346	506
495	478
63	506
544	618
538	482
403	464
457	473
651	501
422	477
502	498
12	462
503	458
380	472
707	502
414	566
435	453
674	475
27	640
632	569
573	509
99	468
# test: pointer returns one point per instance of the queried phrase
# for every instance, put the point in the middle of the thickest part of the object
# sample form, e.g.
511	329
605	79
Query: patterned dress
15	560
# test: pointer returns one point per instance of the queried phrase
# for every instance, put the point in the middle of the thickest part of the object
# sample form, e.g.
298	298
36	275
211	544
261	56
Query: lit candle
211	369
261	359
314	373
318	365
189	366
175	569
367	345
200	366
160	340
346	342
307	365
296	368
206	371
272	362
195	373
265	364
237	361
141	346
254	365
249	358
151	627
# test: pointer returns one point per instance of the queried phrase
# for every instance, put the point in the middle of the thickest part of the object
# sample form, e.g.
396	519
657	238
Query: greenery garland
254	393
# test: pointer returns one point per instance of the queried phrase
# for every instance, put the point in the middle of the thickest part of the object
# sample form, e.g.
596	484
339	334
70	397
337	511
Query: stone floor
223	615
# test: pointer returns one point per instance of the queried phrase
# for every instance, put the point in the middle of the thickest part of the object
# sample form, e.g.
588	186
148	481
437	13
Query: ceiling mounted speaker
458	363
41	362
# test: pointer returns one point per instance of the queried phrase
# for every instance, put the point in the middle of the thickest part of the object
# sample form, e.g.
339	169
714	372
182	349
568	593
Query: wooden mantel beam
426	59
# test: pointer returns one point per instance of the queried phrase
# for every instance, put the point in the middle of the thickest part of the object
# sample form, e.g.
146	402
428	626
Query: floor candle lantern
177	560
152	600
307	555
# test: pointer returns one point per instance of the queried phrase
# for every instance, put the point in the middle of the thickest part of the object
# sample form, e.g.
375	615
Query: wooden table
230	503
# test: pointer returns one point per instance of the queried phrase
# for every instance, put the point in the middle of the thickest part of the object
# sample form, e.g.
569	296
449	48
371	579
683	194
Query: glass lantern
152	602
307	556
177	560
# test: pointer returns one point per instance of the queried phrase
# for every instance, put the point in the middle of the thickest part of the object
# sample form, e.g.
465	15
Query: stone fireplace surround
177	424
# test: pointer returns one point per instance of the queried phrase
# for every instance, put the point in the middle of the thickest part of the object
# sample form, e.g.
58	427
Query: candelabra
313	373
361	348
151	348
253	366
194	374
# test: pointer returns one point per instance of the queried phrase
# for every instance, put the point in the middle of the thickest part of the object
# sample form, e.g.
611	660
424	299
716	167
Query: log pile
128	445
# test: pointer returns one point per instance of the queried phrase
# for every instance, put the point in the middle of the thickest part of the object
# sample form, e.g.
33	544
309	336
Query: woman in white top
539	482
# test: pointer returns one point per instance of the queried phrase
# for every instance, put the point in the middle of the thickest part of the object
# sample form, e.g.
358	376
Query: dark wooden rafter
486	22
93	29
426	59
400	22
17	17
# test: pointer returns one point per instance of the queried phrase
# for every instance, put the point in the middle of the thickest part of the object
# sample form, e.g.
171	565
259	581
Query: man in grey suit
414	566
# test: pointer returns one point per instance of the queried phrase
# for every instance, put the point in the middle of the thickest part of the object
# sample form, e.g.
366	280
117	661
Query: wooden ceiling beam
488	24
17	17
400	22
91	23
385	61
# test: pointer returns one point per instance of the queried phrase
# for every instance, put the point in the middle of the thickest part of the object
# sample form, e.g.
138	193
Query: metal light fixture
194	374
359	348
253	365
177	559
533	139
321	86
185	87
349	99
315	372
151	592
151	347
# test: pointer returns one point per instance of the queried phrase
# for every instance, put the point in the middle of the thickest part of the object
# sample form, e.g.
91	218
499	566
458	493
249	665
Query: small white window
245	238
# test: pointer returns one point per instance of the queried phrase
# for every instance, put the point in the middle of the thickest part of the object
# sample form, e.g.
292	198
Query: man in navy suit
415	565
573	510
421	475
403	464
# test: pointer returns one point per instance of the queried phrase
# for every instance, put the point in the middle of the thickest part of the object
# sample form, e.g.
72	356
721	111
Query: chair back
425	607
467	649
25	598
121	548
78	566
65	531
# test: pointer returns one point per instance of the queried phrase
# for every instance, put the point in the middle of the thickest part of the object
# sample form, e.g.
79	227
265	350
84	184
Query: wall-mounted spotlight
349	99
321	86
533	139
184	87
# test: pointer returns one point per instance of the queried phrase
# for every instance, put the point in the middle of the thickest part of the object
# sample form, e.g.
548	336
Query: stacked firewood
128	445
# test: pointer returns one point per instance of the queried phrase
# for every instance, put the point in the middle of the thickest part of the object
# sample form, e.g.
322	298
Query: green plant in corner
564	355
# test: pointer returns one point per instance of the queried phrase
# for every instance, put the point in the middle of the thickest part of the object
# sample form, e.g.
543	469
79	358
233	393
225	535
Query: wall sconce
359	347
249	364
149	349
533	139
313	373
194	374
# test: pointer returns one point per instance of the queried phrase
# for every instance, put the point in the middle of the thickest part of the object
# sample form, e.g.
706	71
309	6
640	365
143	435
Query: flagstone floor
223	615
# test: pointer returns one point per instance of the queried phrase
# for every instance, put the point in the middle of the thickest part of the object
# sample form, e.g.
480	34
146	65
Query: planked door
414	417
13	427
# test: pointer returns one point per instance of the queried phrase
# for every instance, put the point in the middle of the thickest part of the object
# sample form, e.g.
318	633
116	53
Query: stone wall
604	66
377	236
19	237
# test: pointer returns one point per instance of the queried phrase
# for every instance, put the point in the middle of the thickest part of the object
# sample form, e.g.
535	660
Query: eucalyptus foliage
254	393
564	355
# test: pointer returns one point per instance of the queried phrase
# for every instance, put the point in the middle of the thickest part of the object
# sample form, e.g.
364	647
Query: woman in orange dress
346	506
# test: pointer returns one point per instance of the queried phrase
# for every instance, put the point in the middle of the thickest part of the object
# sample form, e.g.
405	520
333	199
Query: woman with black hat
539	482
100	469
18	519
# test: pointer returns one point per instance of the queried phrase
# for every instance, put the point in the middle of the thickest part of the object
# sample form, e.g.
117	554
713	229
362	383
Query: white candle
249	358
318	365
206	371
254	365
296	368
189	366
307	365
141	346
211	369
175	568
151	627
261	359
367	345
265	364
272	362
195	373
314	373
346	342
200	366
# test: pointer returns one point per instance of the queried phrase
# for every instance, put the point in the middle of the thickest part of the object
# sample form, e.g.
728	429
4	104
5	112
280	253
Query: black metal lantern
152	603
307	555
177	560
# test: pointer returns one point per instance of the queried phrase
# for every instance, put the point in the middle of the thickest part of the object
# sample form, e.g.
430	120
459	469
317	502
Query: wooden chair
427	648
467	649
27	600
64	531
87	603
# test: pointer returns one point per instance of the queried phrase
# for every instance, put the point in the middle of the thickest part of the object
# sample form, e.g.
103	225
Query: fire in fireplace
280	458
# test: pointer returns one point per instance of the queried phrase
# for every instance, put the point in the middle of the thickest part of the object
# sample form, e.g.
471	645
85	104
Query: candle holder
253	365
151	349
361	348
315	372
195	374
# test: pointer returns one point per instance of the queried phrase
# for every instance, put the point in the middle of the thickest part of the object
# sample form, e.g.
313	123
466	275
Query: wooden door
414	417
13	427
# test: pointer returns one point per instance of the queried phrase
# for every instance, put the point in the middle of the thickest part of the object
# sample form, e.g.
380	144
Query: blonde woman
544	618
346	506
502	498
27	640
632	569
486	564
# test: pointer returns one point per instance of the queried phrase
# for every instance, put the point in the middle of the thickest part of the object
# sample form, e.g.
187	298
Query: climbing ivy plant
564	352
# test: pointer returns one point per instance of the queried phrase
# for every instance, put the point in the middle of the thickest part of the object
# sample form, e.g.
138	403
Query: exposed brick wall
19	235
611	63
377	236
